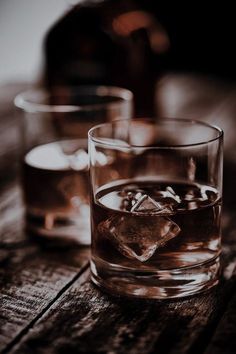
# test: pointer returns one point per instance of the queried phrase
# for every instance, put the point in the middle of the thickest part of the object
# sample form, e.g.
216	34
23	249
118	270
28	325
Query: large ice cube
138	237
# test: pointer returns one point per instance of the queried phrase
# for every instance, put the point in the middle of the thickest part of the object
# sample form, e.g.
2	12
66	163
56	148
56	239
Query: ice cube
138	194
171	194
146	204
130	197
138	237
208	193
167	198
199	196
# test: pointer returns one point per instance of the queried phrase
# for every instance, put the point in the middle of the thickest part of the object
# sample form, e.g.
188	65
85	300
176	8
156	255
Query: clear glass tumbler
156	207
55	159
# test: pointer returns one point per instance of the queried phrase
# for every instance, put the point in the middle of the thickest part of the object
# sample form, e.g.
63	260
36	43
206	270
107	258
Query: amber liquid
55	186
172	231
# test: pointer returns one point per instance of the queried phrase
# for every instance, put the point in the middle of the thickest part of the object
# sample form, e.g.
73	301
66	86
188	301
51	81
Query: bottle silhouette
119	43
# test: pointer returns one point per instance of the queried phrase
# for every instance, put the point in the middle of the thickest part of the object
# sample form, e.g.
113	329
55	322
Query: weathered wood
224	340
96	322
31	283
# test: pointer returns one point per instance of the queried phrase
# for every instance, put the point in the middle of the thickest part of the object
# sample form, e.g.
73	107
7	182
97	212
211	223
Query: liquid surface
156	225
55	178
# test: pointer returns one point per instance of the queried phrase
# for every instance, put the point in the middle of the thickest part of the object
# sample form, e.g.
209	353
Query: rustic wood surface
48	305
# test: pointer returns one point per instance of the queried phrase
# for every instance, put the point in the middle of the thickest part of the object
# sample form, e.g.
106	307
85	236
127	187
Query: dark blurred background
201	39
177	57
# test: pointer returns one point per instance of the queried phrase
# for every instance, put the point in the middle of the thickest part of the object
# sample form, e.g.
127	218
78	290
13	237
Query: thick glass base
72	229
160	284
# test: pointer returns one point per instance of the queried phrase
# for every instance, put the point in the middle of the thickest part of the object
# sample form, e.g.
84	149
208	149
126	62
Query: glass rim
23	101
157	121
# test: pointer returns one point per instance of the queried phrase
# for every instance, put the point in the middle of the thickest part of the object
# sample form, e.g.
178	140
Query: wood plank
30	284
85	320
224	340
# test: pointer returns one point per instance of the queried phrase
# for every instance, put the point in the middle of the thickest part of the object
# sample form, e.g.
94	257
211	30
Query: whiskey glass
54	154
156	195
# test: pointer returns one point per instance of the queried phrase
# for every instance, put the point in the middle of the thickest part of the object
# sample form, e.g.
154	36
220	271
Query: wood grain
224	339
94	322
31	282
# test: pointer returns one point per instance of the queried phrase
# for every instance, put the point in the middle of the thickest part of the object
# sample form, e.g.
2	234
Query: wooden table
48	304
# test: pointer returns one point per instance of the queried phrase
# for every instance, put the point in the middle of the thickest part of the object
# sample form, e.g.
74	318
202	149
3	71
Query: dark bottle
110	42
